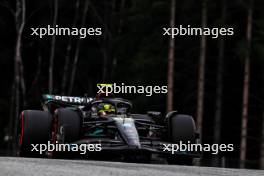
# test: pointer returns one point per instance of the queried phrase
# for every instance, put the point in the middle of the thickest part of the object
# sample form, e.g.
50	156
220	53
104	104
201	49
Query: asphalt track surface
44	167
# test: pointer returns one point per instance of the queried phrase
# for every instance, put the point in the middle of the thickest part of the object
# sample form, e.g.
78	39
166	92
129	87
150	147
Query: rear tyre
34	128
66	129
181	129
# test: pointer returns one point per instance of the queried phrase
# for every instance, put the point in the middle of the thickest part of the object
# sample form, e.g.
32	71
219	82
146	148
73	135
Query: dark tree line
218	81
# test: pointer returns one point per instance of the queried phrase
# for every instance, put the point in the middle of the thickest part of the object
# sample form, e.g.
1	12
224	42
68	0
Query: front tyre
66	129
181	129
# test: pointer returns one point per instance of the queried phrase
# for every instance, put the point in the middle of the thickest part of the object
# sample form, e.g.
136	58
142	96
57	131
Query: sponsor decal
68	99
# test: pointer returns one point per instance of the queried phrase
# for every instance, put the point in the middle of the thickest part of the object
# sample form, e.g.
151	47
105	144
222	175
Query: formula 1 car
77	120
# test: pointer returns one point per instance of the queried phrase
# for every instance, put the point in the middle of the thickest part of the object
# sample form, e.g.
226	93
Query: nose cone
131	135
129	132
133	141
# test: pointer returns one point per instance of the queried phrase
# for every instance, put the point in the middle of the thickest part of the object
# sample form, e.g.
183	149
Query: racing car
108	121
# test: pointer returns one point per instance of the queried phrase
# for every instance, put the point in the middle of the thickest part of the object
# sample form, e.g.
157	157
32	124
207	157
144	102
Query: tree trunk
219	86
201	71
52	49
22	82
68	53
171	59
76	55
20	23
243	144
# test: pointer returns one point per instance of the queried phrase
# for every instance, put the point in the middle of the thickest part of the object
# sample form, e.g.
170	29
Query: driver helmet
105	108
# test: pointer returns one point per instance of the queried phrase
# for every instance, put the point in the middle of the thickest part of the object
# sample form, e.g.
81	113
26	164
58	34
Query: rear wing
46	98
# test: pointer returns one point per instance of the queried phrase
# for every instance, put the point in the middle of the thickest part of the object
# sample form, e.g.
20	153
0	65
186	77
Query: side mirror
170	114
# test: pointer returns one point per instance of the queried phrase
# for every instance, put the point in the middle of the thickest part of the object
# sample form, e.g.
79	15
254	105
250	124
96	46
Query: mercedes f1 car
81	120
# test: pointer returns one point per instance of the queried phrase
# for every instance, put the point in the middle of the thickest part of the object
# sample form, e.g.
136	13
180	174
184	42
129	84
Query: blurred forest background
217	81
